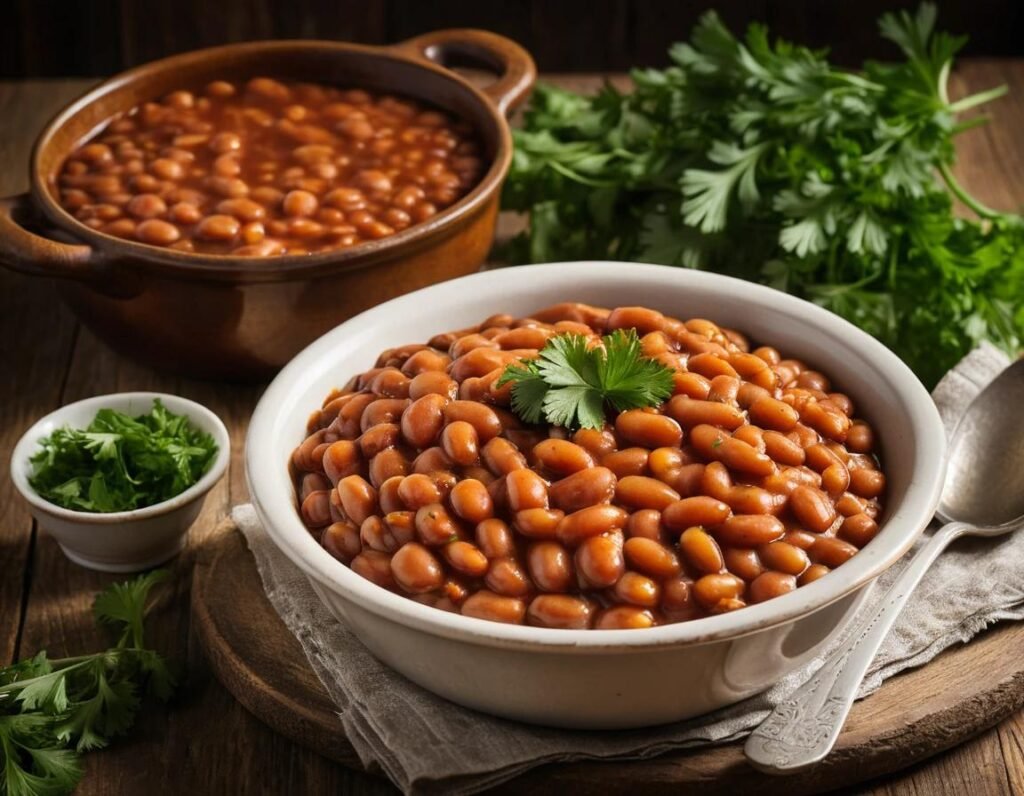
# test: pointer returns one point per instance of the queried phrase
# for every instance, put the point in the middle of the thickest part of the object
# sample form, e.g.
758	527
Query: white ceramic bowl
121	541
603	678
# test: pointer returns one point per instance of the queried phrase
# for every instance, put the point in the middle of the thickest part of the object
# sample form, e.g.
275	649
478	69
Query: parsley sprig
119	463
51	710
761	159
571	382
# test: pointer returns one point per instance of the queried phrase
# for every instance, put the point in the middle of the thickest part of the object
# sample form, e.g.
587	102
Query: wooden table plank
205	742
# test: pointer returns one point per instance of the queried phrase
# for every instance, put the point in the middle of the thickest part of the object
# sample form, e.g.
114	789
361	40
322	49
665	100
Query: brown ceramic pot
243	317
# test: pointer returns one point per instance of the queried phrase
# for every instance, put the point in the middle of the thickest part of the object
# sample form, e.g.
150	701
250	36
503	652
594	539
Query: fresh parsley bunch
119	463
51	710
764	161
571	382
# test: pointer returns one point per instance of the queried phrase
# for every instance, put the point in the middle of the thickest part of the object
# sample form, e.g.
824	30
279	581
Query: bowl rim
198	265
281	520
29	441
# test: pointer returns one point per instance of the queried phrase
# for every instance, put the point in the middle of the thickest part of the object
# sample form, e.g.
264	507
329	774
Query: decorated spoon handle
803	729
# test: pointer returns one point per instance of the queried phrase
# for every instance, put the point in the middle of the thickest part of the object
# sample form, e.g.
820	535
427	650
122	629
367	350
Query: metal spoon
983	496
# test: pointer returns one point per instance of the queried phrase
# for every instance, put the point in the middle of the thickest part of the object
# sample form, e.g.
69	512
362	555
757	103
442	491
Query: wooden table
205	742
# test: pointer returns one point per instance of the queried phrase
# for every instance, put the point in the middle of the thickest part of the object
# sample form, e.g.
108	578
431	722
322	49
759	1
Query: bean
600	561
435	383
315	509
507	578
560	611
584	488
651	558
831	551
494	538
690	412
648	430
749	530
860	438
423	420
782	449
417	491
377	438
734	453
701	550
401	525
218	228
341	459
629	461
640	492
858	529
771	584
640	318
867	483
784	557
157	232
835	479
146	205
376	536
812	574
637	589
460	442
341	540
550	566
483	419
375	567
591	521
538	523
743	562
597	442
812	508
711	589
695	511
526	490
432	460
358	497
494	607
471	501
562	457
829	423
466	558
646	524
621	617
434	525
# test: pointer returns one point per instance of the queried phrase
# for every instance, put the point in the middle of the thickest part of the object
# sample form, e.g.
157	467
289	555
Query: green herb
571	383
120	463
51	710
764	161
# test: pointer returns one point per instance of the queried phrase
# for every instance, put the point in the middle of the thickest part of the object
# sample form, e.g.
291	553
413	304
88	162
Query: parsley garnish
50	710
571	383
119	463
762	160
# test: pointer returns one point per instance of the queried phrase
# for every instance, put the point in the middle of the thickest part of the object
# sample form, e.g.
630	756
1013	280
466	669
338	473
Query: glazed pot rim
272	492
201	266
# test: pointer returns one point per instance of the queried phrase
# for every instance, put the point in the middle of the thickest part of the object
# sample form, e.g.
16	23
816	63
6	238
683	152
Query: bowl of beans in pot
595	476
266	191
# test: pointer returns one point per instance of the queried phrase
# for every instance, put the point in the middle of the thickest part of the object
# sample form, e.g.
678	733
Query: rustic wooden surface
206	742
97	37
906	721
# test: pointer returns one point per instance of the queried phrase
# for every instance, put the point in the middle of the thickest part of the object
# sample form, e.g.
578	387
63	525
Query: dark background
47	38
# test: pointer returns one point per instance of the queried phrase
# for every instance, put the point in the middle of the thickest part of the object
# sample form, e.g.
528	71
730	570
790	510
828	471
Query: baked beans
752	480
267	167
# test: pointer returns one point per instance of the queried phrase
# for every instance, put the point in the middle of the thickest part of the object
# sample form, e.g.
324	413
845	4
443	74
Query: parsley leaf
760	159
52	709
119	463
572	381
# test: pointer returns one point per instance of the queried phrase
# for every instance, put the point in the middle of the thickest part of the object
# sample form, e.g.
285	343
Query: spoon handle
803	729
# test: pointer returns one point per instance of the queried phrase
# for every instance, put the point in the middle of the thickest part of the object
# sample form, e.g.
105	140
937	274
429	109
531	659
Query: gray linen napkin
397	727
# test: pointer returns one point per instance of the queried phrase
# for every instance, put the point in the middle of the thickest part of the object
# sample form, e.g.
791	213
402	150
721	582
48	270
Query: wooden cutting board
964	691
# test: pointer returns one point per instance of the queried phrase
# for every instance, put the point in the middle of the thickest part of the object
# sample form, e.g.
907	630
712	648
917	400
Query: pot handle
22	250
513	65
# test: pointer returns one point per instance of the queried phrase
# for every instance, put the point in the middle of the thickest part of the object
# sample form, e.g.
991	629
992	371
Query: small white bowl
121	541
604	679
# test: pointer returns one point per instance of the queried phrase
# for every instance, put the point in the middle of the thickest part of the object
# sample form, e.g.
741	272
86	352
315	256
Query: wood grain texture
92	37
912	717
206	741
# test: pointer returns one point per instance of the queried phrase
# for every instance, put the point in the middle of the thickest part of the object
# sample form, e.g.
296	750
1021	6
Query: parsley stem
980	98
958	191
